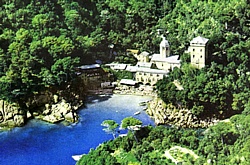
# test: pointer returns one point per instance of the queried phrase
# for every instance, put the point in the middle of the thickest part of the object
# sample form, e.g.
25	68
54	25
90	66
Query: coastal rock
169	114
11	114
52	119
55	97
29	115
19	120
51	105
39	100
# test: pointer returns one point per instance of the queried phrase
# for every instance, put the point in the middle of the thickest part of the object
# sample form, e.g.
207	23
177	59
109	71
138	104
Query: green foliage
221	88
227	142
42	41
126	59
122	74
130	121
111	126
39	40
37	49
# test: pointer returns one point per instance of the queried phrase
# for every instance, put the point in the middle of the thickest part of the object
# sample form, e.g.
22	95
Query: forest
226	143
42	41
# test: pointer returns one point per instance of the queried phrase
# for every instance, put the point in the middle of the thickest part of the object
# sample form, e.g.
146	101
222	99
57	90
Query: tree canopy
42	41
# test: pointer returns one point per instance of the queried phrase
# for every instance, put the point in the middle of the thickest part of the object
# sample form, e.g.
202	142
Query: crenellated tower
198	52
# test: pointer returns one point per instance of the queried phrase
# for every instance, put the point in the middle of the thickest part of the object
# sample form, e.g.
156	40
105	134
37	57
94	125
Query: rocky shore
55	108
52	105
61	105
131	90
165	114
168	114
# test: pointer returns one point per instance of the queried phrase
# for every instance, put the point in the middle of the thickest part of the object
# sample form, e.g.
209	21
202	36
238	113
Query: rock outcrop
169	115
52	105
11	114
58	106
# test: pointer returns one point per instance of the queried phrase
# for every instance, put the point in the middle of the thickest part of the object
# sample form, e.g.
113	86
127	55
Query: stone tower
198	52
164	48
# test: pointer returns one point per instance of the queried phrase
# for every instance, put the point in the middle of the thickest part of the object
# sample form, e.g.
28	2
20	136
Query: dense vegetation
41	41
221	87
226	143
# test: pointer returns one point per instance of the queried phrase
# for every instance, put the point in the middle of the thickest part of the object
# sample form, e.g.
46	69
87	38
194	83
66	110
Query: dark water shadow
95	98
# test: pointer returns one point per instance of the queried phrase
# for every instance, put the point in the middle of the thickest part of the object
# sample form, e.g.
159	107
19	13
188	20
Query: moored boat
77	157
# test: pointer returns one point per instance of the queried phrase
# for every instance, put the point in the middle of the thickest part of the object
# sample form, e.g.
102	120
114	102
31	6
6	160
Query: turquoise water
40	143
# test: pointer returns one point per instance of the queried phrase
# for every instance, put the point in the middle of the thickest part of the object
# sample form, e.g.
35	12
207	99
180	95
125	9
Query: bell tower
164	48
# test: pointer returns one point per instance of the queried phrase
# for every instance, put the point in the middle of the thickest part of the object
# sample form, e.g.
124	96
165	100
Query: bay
41	143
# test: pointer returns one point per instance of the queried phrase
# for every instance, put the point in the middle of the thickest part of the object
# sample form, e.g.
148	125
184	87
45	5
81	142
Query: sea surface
41	143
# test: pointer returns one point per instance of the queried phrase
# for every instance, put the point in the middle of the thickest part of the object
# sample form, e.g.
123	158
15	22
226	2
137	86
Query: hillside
42	41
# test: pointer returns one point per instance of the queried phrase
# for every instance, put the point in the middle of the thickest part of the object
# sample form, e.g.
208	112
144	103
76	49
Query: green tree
63	69
111	127
132	124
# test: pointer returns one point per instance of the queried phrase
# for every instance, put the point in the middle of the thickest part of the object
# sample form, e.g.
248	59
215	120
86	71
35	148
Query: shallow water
40	143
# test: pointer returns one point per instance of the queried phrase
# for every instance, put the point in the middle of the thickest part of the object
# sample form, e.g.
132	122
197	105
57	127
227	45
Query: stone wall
169	115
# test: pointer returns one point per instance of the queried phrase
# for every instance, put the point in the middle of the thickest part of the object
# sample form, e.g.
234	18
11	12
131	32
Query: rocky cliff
169	114
11	114
51	105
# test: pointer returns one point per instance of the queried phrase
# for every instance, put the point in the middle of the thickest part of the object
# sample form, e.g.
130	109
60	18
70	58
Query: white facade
198	51
143	72
149	76
143	57
164	48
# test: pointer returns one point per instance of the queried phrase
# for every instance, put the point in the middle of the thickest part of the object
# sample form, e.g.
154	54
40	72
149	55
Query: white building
198	52
150	69
164	60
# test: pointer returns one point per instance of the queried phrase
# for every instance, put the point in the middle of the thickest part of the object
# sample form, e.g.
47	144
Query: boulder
56	98
28	115
70	117
19	120
52	119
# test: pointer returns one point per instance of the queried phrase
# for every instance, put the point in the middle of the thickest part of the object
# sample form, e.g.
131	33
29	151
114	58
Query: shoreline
163	114
155	108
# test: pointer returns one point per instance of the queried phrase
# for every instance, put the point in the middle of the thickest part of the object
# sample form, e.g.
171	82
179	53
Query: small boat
142	103
77	157
122	135
137	113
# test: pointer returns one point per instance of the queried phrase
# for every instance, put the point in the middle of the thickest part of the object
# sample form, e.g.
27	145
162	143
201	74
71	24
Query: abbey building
153	67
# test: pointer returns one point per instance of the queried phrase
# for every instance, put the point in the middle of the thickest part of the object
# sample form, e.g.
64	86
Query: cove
40	143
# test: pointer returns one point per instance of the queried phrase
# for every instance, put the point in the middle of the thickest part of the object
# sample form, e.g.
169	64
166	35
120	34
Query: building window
193	50
193	56
201	56
200	50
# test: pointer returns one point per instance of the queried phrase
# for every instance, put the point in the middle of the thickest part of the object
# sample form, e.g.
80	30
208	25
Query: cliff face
52	105
168	114
11	114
